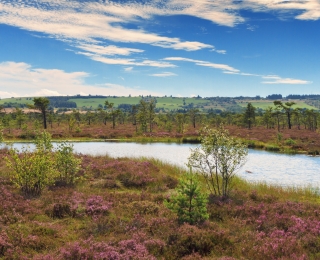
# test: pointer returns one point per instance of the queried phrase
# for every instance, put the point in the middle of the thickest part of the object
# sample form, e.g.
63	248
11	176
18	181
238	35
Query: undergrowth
117	212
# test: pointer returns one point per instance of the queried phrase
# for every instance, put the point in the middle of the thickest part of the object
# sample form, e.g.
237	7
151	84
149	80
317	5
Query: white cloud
223	67
221	51
87	22
128	69
308	9
274	79
5	94
163	74
271	79
46	93
110	50
24	80
132	62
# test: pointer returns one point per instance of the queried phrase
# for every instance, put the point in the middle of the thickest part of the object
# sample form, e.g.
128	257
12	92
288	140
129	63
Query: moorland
107	208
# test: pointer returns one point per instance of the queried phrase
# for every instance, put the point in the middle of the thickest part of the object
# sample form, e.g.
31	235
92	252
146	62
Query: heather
116	210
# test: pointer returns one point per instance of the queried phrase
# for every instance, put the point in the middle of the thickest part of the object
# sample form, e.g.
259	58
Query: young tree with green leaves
189	203
217	159
67	164
33	171
143	115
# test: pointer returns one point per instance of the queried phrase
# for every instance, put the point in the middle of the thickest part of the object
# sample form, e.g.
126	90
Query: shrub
61	210
126	249
189	240
4	243
66	164
96	206
290	142
32	171
189	203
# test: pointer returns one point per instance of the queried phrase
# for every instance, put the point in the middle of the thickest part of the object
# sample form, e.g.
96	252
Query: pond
261	166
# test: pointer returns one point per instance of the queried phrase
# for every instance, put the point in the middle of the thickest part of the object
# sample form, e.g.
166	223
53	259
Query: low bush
290	141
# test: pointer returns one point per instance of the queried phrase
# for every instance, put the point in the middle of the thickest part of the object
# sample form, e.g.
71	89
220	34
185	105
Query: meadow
264	104
174	103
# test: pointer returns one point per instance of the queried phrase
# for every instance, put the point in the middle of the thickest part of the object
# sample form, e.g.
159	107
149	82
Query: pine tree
249	115
189	202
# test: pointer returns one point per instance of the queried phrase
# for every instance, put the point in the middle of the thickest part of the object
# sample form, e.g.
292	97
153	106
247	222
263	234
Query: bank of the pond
261	166
188	140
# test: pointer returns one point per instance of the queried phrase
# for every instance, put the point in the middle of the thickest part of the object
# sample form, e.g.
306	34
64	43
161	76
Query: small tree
66	164
249	115
217	159
41	103
193	113
143	115
189	203
287	107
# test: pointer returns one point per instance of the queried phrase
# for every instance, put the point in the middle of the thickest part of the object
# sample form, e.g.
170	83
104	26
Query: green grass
264	104
22	100
95	102
166	103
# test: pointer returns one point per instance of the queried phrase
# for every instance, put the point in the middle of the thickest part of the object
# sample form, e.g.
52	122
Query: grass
117	212
94	102
22	100
264	104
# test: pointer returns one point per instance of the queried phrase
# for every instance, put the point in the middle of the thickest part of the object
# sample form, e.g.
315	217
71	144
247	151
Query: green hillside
172	103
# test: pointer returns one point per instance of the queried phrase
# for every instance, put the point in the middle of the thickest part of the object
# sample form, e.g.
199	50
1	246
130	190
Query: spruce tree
189	202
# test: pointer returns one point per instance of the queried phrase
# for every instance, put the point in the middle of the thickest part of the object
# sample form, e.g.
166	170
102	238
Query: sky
182	48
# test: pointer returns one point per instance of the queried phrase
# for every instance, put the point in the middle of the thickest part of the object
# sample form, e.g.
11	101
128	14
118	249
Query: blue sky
160	47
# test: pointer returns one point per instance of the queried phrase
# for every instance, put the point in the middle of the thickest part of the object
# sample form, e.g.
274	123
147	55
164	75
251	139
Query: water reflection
281	169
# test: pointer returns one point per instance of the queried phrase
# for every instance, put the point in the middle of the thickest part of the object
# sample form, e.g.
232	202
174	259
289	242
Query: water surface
275	168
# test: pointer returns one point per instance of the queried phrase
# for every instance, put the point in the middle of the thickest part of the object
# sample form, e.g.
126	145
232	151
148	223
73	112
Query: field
22	100
95	102
264	104
174	103
167	103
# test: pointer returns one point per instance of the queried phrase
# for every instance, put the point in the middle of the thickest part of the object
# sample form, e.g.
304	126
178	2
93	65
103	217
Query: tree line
145	117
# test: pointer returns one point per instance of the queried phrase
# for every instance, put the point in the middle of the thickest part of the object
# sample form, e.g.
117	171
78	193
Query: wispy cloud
221	51
223	67
110	50
163	74
128	69
274	79
84	21
131	62
29	81
300	9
